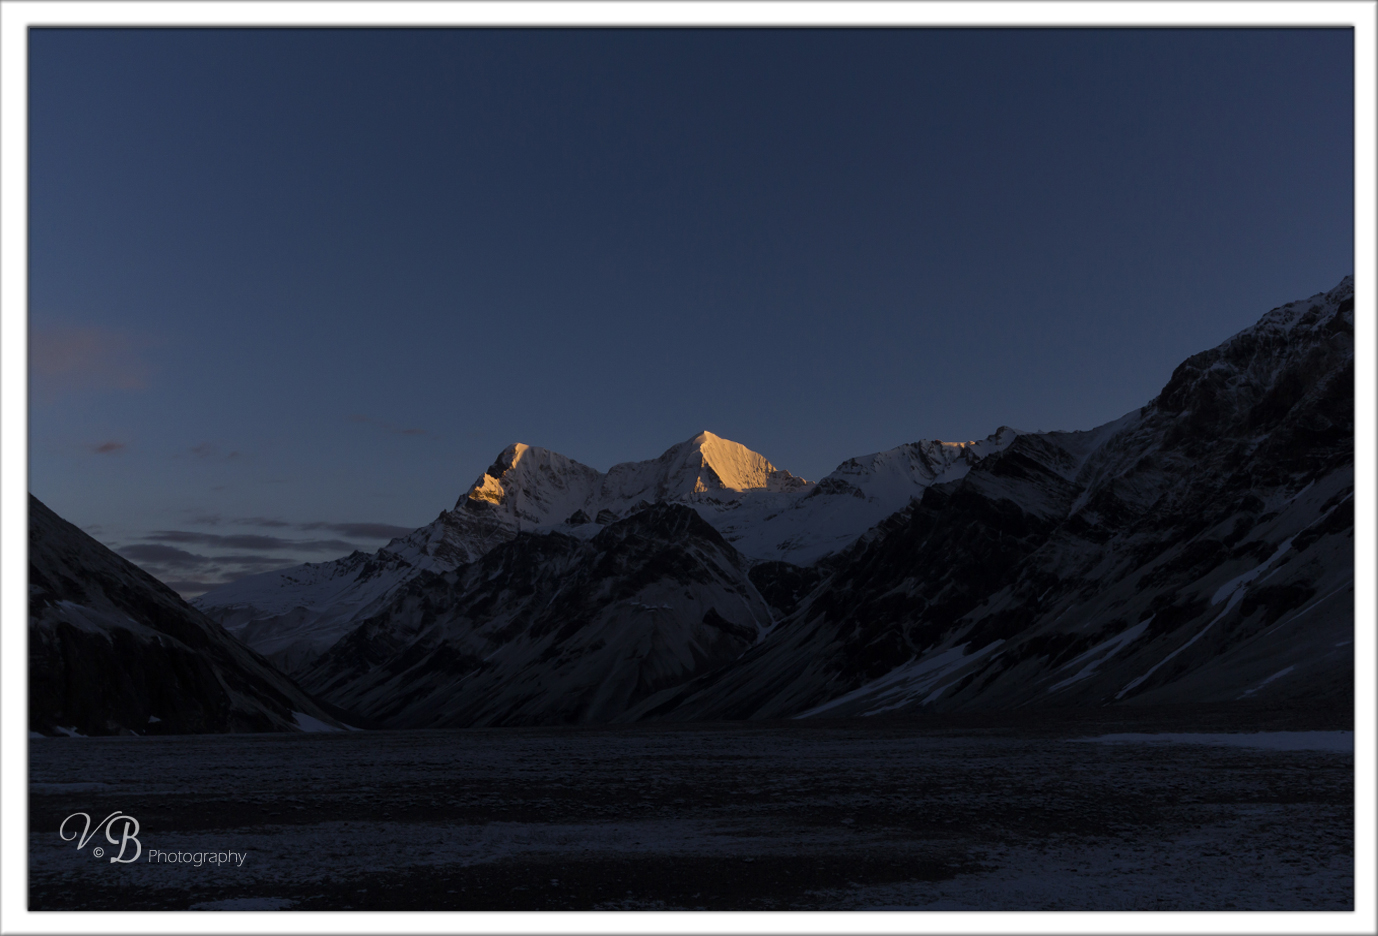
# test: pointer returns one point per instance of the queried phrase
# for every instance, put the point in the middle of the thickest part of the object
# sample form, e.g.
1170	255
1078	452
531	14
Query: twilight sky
291	291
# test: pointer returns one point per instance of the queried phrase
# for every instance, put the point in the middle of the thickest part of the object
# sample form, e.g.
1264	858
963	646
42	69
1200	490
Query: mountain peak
716	463
542	480
489	486
508	458
537	486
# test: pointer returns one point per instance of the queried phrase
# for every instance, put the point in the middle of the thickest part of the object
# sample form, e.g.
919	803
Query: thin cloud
360	530
215	519
248	541
192	588
209	450
108	448
226	558
276	562
386	426
383	531
191	574
163	555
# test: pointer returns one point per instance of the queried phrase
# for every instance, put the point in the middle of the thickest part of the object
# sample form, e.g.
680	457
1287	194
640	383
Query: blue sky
291	291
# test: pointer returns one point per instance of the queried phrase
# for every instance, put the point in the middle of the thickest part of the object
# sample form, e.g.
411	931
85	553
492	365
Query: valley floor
964	814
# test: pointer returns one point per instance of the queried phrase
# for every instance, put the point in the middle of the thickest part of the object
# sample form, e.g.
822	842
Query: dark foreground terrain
953	814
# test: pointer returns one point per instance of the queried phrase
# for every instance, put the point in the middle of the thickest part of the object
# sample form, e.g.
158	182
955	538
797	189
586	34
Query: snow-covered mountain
551	628
1196	550
294	615
114	651
804	526
1199	550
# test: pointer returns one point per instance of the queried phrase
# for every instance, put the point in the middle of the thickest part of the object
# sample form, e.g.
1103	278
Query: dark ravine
114	651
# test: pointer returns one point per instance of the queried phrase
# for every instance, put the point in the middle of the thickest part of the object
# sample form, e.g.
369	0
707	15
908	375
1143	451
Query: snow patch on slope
1100	653
307	723
1236	584
906	683
803	526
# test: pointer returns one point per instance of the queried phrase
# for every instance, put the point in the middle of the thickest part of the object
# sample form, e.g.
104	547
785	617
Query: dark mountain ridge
551	629
114	651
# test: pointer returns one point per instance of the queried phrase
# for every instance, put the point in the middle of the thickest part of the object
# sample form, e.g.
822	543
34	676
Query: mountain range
766	514
1197	550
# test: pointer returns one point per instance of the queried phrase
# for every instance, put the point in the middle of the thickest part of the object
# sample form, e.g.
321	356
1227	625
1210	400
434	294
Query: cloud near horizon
248	541
353	530
191	574
191	588
386	426
206	451
385	531
162	555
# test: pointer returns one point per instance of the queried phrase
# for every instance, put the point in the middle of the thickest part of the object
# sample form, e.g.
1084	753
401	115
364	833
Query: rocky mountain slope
1199	549
114	651
552	628
768	514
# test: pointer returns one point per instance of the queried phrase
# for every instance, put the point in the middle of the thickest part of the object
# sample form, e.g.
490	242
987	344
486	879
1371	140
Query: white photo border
16	18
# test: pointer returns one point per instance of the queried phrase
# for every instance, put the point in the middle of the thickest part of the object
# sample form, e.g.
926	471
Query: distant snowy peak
895	475
705	464
533	486
806	524
923	463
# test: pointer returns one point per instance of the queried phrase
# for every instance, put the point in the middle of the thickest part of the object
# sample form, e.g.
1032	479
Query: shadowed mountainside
114	651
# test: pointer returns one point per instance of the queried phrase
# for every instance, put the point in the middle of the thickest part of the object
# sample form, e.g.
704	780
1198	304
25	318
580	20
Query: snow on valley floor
835	816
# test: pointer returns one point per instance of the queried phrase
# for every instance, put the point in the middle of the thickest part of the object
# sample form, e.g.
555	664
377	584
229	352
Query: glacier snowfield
962	815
